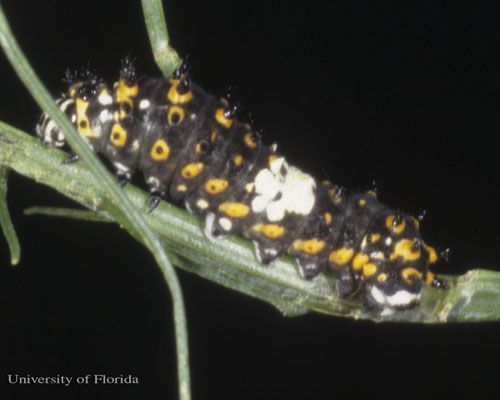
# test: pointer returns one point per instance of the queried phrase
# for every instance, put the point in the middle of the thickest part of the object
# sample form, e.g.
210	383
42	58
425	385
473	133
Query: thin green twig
123	210
5	221
71	213
165	56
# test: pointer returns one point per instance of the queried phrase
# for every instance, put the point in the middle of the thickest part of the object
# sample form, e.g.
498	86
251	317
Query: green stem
5	221
165	56
474	296
71	213
124	211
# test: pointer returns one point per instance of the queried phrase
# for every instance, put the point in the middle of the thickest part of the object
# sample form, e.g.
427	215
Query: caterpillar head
47	130
78	103
396	263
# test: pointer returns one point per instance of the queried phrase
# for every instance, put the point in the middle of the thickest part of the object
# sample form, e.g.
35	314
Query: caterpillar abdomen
192	151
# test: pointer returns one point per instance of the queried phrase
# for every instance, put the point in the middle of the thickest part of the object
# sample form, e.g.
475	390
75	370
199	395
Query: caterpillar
193	151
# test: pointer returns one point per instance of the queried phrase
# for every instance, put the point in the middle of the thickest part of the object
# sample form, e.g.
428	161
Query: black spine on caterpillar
193	151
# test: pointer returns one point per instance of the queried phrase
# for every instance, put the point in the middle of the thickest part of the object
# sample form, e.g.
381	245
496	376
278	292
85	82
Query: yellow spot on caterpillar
216	186
125	108
221	118
372	193
192	170
213	136
81	106
160	150
74	88
118	135
175	115
417	222
408	273
249	140
429	278
83	127
433	257
271	231
234	210
82	122
369	269
406	250
391	224
201	146
341	256
238	160
328	218
175	97
359	260
182	188
362	202
382	277
374	237
311	246
124	93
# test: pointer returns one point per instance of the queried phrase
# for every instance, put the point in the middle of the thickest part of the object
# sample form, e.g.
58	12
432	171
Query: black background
403	93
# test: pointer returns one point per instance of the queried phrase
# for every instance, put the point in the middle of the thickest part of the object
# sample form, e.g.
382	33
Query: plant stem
5	221
474	296
165	56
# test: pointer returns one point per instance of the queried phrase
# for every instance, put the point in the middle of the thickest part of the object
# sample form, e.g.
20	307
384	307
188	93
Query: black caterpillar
193	151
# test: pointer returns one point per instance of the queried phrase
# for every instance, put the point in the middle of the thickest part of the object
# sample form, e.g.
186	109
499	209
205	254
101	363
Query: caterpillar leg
346	283
156	191
123	177
310	270
156	195
435	282
212	230
154	200
266	254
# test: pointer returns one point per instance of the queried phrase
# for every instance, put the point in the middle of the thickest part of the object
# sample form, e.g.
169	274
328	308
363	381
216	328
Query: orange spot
160	150
433	257
175	97
249	141
311	246
192	170
238	160
408	273
328	218
221	118
429	278
118	135
272	231
341	256
369	269
359	260
215	186
396	228
234	210
405	249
